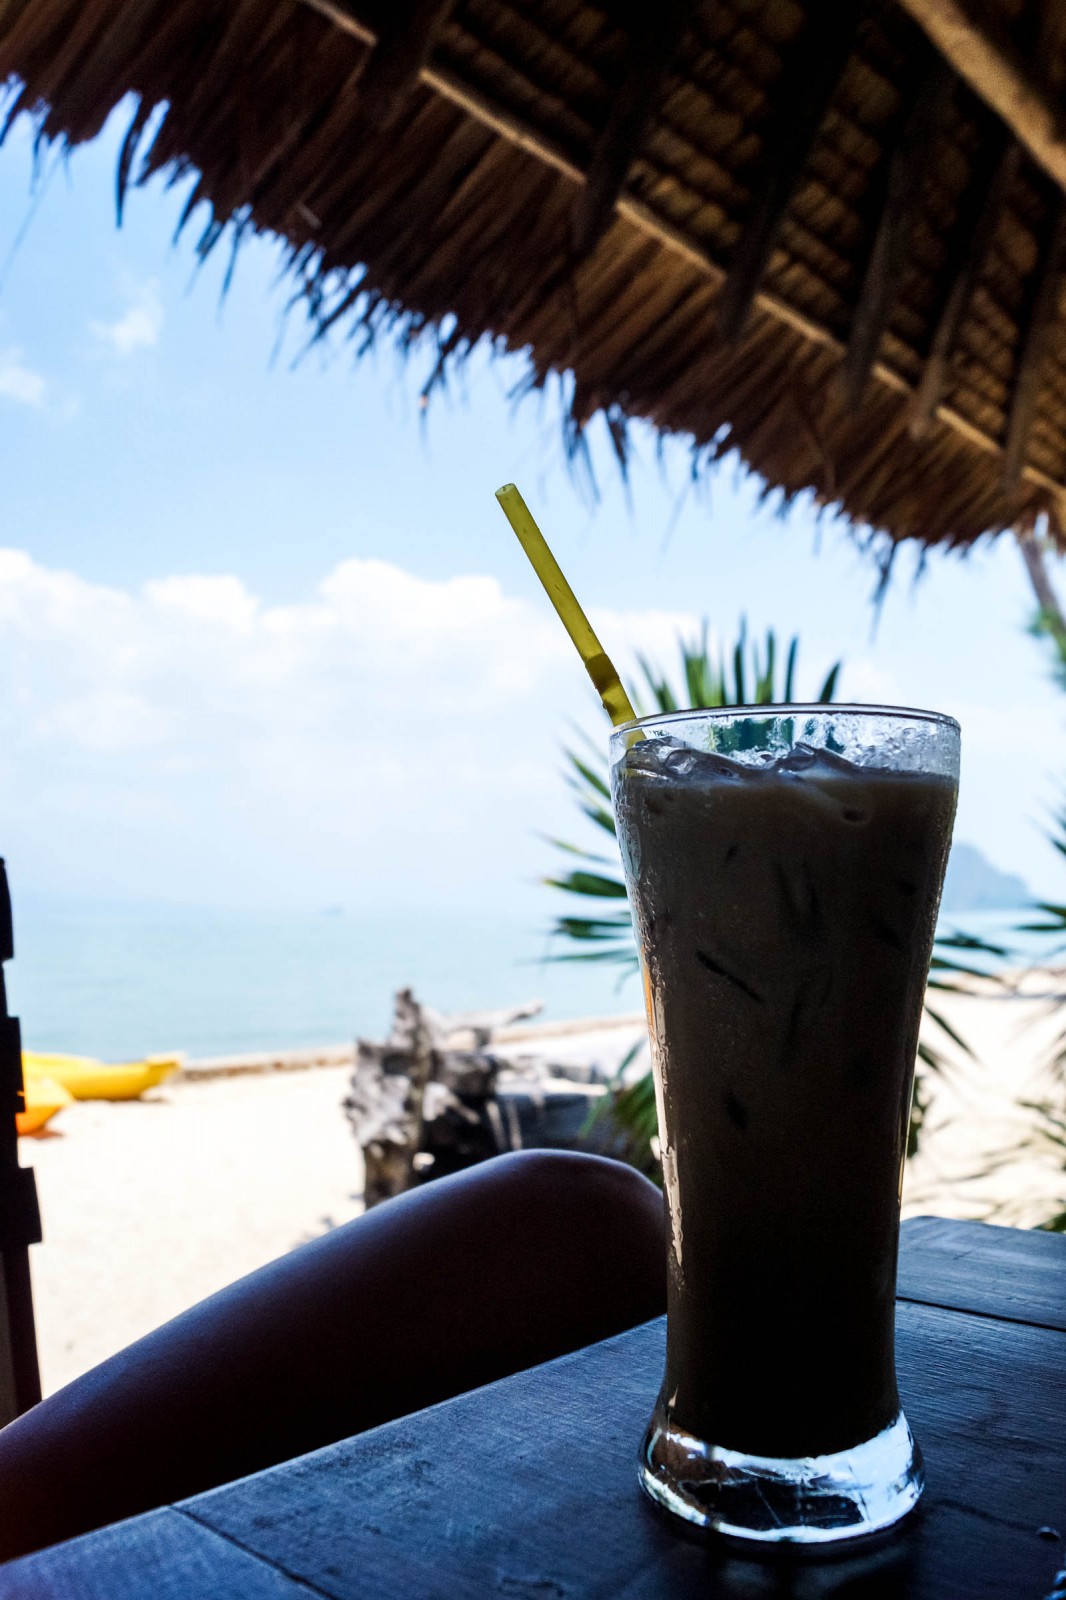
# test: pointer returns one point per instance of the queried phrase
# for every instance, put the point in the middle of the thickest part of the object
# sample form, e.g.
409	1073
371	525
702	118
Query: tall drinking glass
784	867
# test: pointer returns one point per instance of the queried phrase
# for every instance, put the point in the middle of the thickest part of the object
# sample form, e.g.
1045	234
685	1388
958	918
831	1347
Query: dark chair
20	1219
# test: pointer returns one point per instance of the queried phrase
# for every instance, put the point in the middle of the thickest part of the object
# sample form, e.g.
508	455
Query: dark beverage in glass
784	869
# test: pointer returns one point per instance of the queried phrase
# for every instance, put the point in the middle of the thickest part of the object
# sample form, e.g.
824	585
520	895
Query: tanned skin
466	1280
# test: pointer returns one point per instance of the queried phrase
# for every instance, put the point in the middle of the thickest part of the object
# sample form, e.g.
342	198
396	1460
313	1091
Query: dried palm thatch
831	236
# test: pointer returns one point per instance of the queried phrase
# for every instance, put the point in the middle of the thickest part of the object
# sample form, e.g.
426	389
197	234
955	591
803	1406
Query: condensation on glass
784	868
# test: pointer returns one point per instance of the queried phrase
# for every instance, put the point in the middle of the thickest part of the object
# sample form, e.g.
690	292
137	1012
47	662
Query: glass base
810	1500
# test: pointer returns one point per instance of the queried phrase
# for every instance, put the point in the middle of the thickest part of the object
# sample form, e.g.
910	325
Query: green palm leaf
593	883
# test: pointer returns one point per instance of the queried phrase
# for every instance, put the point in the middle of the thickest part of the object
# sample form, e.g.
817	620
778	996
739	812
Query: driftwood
387	1101
433	1099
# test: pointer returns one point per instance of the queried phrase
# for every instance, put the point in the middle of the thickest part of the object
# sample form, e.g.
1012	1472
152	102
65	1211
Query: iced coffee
784	871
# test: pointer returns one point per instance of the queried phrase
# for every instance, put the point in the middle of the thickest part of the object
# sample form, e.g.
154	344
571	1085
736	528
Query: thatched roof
786	226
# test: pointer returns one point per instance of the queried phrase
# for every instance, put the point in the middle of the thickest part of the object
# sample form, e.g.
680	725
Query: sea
121	981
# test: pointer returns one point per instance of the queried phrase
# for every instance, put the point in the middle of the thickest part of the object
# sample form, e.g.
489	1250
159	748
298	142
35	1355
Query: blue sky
265	637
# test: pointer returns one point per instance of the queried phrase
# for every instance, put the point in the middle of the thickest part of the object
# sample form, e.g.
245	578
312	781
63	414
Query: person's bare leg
469	1279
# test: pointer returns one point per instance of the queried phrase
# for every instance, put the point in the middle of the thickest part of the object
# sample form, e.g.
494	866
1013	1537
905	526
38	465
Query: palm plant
747	675
1047	1133
1048	1138
1052	927
1050	624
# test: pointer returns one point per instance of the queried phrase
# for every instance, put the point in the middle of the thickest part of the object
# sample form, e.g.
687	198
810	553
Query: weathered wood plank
908	164
1034	338
392	72
164	1555
654	43
527	1488
984	55
997	1272
813	68
979	217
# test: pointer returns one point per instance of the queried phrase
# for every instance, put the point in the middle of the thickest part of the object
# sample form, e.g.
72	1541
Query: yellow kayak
44	1097
87	1079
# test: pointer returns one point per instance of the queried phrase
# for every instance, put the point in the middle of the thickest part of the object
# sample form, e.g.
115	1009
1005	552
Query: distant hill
974	884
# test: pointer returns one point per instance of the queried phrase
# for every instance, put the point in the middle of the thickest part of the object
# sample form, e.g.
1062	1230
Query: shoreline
1019	985
150	1205
339	1055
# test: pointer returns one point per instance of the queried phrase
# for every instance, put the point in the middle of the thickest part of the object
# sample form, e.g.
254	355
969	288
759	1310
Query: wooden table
526	1490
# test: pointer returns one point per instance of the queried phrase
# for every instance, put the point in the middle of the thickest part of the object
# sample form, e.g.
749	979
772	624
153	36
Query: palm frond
591	928
631	1116
602	817
594	780
628	1059
957	940
658	686
575	850
790	672
579	927
945	1026
829	687
740	697
623	956
589	883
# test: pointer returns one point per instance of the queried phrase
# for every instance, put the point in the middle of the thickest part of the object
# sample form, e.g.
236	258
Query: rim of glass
791	708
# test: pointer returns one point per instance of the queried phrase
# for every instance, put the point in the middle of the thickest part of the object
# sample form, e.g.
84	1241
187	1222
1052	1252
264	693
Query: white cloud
391	733
222	600
19	382
868	682
139	326
384	738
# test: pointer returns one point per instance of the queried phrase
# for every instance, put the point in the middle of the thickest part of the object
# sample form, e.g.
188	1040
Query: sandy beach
982	1154
149	1206
152	1204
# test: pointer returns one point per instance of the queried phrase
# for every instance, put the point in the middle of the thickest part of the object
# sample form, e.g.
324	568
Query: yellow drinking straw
598	663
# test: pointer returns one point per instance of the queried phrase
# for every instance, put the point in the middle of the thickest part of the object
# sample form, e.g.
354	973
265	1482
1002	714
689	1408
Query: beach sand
981	1154
151	1205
